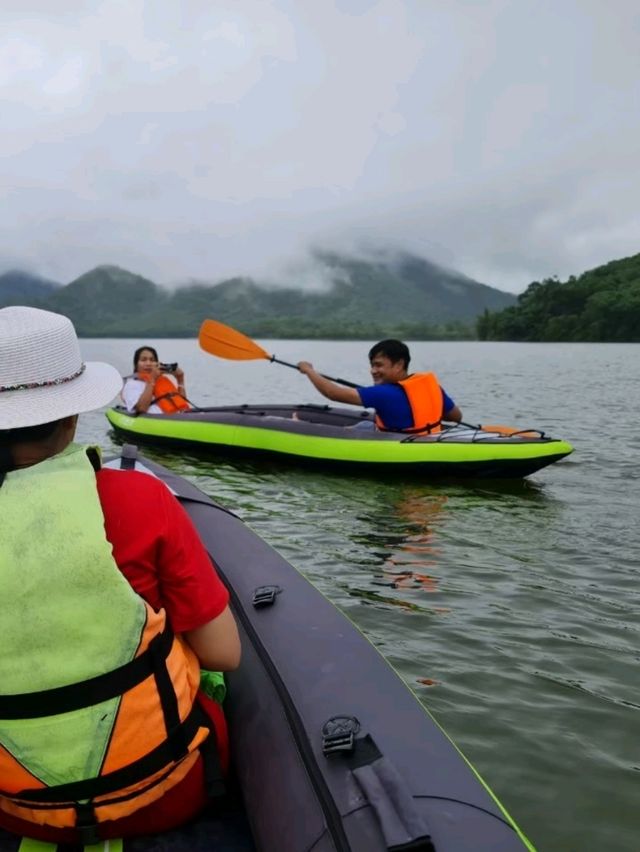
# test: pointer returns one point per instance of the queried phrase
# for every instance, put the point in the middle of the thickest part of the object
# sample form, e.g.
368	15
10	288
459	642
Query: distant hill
600	305
403	296
19	288
109	301
406	297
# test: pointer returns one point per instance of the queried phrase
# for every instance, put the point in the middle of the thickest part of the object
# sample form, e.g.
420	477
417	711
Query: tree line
602	305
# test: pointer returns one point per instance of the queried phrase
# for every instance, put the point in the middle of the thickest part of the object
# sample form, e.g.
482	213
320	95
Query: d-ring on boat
323	434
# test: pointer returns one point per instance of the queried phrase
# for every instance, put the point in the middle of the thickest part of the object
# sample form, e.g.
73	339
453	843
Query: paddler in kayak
111	607
154	388
403	402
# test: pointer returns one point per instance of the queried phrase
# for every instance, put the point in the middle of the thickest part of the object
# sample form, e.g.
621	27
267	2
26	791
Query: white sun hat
42	374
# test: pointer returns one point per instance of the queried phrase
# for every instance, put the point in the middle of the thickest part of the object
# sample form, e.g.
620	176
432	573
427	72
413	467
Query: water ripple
510	608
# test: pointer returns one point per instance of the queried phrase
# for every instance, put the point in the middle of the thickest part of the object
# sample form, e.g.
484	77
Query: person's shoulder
133	482
366	394
387	389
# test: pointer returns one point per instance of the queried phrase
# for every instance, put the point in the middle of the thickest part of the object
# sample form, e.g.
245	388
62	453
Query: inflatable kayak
322	434
331	751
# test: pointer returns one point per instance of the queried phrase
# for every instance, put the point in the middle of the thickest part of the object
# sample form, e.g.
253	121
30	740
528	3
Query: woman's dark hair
24	435
138	353
394	350
28	434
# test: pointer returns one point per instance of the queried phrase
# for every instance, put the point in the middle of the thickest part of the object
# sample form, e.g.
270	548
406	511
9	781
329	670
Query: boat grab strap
403	828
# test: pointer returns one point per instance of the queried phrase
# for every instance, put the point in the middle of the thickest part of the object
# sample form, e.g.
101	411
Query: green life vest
68	613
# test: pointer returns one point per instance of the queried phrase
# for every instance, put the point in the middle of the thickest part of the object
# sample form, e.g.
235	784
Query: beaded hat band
47	384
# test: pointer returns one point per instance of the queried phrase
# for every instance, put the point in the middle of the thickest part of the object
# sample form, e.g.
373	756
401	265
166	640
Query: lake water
517	603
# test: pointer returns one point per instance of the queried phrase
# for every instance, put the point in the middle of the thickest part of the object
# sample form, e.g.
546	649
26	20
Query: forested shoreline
599	306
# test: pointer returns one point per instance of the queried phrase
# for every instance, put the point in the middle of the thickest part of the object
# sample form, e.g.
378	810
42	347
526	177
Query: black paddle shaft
331	378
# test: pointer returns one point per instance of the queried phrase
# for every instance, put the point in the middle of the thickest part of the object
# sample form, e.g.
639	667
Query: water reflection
403	547
411	535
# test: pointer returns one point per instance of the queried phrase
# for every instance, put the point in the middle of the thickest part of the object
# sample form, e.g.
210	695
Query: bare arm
179	377
146	397
216	643
327	388
454	414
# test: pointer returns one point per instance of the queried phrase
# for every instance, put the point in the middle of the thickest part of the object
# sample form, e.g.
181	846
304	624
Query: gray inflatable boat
331	751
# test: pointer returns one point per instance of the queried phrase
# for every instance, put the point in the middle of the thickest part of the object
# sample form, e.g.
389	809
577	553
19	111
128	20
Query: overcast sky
201	139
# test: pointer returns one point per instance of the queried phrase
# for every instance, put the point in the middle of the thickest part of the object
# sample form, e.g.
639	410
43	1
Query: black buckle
86	824
265	596
338	735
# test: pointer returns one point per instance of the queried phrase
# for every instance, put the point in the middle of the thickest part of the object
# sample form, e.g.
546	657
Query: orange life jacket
425	398
165	394
154	743
154	737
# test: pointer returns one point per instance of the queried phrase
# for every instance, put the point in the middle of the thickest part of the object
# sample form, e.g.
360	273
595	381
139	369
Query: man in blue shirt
389	361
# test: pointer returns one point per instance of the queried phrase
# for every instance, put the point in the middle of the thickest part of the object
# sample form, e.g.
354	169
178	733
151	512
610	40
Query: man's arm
327	388
454	414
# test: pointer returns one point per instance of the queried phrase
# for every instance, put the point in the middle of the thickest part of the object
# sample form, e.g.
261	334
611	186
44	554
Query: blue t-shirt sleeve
447	402
368	396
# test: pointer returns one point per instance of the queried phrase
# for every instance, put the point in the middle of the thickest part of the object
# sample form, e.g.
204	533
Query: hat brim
97	386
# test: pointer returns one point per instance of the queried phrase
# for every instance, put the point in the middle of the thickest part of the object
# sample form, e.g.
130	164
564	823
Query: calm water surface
517	603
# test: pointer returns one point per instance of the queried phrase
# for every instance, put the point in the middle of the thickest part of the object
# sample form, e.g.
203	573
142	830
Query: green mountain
602	304
405	296
18	288
111	302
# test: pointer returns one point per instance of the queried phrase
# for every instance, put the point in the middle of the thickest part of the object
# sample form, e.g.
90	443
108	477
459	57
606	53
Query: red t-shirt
158	549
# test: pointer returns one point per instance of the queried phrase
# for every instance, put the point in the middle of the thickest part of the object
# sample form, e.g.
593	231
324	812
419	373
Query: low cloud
201	140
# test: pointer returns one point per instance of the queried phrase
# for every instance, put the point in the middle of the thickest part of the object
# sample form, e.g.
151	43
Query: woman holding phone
154	388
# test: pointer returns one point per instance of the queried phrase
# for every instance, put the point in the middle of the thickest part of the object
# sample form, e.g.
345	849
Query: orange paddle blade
225	342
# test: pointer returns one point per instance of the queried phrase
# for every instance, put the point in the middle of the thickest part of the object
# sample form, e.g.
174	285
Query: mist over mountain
397	294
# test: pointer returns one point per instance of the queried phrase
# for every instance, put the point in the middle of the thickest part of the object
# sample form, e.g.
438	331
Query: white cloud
204	140
19	60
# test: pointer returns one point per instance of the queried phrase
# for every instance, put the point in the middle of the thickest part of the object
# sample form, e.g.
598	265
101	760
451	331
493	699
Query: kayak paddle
219	339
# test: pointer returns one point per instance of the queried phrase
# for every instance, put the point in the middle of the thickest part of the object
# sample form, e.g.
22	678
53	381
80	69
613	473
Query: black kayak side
331	751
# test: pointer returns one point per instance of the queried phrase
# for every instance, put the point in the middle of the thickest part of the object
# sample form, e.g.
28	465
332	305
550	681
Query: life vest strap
176	736
156	760
87	824
422	430
413	430
76	696
213	775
